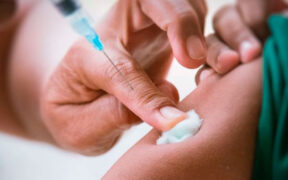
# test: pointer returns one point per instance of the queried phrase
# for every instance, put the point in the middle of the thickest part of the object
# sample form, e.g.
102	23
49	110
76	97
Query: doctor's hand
86	104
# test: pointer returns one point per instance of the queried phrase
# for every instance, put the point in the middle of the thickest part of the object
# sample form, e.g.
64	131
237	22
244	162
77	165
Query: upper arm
224	146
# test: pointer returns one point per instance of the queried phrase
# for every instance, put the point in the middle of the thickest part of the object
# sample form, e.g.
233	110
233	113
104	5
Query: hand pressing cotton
183	130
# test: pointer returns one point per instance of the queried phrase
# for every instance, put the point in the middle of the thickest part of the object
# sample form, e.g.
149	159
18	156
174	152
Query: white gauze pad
183	130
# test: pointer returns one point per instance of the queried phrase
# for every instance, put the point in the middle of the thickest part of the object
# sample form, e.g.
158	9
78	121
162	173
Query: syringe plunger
66	7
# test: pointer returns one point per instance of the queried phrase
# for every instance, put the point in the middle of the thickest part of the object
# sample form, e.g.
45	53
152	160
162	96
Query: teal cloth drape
271	155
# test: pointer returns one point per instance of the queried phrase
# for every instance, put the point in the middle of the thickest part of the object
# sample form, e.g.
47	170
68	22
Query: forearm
224	146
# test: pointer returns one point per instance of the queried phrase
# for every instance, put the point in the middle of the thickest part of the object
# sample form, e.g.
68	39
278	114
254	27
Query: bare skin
29	80
223	148
48	81
240	30
63	88
226	128
229	105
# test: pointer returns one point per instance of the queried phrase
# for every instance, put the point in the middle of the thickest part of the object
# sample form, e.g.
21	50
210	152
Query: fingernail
172	116
196	48
249	51
205	73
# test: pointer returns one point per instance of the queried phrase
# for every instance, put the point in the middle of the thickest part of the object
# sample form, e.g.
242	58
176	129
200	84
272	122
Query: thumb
136	90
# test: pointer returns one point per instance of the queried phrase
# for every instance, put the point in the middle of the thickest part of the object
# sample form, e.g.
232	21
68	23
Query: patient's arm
224	146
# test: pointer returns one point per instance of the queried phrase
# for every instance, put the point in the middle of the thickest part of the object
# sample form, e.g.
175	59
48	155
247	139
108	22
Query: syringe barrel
80	20
83	24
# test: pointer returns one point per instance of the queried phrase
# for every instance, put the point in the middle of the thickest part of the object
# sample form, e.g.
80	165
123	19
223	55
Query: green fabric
271	156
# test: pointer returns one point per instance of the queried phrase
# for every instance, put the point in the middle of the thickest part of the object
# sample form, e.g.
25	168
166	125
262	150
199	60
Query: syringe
83	24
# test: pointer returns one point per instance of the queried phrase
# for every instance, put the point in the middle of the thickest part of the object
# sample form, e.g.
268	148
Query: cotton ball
183	130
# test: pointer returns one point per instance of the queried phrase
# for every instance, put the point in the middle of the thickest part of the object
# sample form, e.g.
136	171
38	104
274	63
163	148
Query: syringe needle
81	22
118	70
